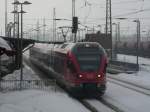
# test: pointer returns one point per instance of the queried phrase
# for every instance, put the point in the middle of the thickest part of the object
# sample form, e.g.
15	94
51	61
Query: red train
79	67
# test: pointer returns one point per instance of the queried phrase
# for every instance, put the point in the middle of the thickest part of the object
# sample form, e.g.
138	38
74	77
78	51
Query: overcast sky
90	13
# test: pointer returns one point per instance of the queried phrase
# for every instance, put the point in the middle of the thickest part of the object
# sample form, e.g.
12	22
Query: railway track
99	105
129	85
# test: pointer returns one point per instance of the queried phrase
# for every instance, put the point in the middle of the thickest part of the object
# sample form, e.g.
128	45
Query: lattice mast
109	22
54	24
16	21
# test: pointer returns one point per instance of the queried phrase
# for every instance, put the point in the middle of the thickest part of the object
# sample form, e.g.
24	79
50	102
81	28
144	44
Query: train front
88	62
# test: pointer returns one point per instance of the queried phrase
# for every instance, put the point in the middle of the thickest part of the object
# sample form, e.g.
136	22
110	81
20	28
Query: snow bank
140	78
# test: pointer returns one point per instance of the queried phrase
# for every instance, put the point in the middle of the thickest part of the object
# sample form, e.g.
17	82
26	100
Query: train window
89	62
89	56
84	50
84	58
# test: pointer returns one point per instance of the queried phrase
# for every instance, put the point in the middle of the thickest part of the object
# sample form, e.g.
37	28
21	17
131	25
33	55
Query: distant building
100	38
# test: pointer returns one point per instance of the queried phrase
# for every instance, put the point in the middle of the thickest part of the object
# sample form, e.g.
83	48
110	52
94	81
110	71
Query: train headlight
80	76
98	75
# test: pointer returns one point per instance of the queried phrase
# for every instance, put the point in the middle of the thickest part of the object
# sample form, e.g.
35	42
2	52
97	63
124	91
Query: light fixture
16	3
26	3
80	76
99	76
14	11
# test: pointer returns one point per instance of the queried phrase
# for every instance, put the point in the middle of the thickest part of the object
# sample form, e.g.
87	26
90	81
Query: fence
124	65
12	85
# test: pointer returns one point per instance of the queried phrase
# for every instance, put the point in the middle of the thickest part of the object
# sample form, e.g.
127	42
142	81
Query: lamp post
21	47
138	40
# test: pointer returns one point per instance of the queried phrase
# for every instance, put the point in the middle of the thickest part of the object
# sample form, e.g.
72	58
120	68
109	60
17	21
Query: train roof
63	48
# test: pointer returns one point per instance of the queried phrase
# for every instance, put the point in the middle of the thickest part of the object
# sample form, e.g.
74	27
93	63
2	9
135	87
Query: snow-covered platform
140	78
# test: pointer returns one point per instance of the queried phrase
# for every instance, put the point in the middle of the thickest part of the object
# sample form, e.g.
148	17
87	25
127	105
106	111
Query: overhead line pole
6	18
15	32
54	36
109	23
54	24
38	31
44	25
73	15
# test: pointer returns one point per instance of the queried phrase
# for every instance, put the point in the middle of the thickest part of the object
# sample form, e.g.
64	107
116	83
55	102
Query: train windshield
89	58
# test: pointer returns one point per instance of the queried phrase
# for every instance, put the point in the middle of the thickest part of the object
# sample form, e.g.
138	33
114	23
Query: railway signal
74	24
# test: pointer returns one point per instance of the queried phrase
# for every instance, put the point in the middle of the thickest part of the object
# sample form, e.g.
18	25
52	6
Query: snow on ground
28	74
99	106
26	54
39	101
34	100
126	99
142	77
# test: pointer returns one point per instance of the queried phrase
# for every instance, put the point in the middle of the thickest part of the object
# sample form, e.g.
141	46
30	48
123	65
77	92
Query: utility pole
93	29
44	26
73	8
73	15
54	24
74	22
116	36
138	40
6	19
54	37
38	30
148	36
15	32
1	32
79	37
109	23
118	32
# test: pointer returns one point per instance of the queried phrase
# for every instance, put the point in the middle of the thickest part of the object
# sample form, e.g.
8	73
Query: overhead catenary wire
89	4
132	13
